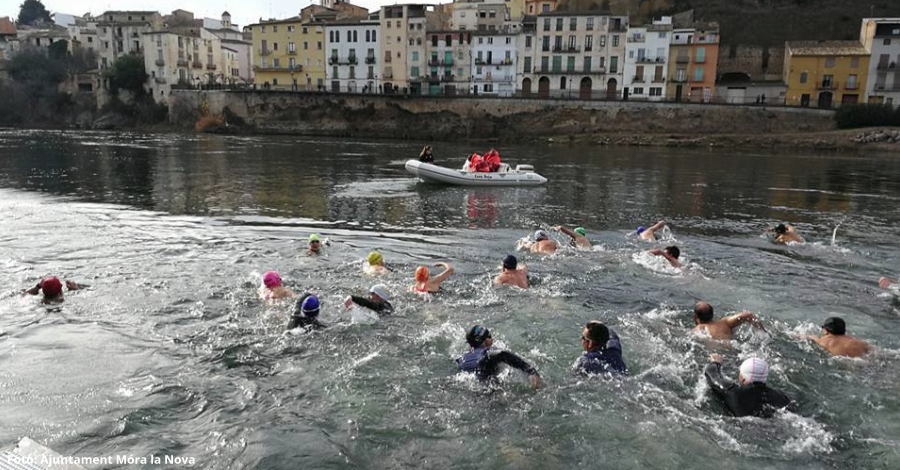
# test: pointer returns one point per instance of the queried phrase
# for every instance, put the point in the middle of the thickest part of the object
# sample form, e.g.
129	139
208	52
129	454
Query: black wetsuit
298	319
755	399
485	362
382	307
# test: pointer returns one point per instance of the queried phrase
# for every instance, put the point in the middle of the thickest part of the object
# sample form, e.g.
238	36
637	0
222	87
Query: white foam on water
657	264
811	436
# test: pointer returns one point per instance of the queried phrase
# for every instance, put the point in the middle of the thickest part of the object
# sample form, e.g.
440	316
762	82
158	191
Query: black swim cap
835	326
477	335
510	262
780	229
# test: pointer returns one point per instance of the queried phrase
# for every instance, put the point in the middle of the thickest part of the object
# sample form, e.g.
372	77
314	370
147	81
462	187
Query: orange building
693	59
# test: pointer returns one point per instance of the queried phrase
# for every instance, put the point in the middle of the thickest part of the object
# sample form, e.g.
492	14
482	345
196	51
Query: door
526	87
679	91
611	89
544	87
825	99
335	86
584	90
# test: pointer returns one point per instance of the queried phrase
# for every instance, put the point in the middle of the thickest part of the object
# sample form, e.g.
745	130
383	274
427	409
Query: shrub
850	116
208	123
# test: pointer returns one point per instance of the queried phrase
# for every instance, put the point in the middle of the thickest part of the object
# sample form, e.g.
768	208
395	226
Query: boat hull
442	175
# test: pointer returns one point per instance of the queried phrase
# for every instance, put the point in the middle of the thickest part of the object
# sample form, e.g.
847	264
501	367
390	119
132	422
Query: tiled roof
7	26
826	48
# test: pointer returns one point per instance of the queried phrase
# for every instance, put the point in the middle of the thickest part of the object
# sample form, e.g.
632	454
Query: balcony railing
197	65
677	79
294	52
210	66
564	49
264	52
887	66
551	70
370	60
832	85
434	62
658	79
618	28
650	60
296	69
388	76
851	86
638	79
182	63
160	62
447	78
682	59
636	39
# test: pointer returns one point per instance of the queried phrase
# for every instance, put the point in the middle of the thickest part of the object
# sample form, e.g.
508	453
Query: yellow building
825	74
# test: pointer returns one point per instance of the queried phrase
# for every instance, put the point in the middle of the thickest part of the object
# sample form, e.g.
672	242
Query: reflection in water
170	352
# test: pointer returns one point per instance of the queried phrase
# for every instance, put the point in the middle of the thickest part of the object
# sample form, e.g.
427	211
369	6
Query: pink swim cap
271	279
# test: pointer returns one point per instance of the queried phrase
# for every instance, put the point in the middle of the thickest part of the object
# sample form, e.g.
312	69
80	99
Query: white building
236	48
351	47
184	57
572	55
494	63
881	37
120	33
479	15
646	56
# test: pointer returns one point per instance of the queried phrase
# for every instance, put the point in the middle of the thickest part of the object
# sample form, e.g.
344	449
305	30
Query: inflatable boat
521	175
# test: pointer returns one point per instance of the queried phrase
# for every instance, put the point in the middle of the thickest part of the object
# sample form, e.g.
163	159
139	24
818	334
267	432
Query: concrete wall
484	118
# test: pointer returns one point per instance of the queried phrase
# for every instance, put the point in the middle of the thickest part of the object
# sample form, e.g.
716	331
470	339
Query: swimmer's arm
717	382
739	319
653	228
515	361
34	290
364	302
671	259
565	230
448	270
71	285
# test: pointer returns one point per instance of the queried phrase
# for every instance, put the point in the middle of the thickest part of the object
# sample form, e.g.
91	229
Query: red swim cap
422	274
51	286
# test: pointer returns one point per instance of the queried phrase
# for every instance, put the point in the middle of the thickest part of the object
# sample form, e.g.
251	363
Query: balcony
678	79
636	38
618	28
160	62
210	66
650	60
831	85
264	52
197	65
884	66
851	86
447	78
370	76
434	62
370	60
388	76
567	49
700	60
638	79
296	69
332	60
447	62
294	52
182	63
335	60
682	59
160	80
658	80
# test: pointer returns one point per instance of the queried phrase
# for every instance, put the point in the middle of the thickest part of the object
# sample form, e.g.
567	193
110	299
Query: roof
7	27
225	13
826	48
126	12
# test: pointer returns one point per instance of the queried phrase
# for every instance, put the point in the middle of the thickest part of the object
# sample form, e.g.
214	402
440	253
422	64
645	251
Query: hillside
758	22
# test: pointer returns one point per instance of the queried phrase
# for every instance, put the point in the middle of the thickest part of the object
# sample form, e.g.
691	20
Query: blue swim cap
310	306
640	229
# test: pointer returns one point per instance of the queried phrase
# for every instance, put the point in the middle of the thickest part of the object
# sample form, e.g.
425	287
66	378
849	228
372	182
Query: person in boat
785	234
374	265
379	300
315	245
478	164
427	284
306	314
886	283
670	253
602	351
579	236
513	274
837	342
492	158
52	289
272	289
750	396
722	329
484	360
542	244
426	156
649	234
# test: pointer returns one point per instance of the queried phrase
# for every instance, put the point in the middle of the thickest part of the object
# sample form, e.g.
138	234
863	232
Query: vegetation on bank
852	116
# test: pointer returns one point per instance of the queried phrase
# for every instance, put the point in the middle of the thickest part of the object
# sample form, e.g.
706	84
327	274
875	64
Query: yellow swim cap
375	258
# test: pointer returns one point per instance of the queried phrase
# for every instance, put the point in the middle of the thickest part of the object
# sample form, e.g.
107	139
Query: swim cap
310	306
540	235
755	370
51	286
314	237
422	274
375	258
381	290
835	326
476	336
271	279
581	231
641	229
780	229
510	262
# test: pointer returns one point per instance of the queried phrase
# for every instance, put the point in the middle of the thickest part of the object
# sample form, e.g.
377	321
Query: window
559	24
398	23
698	74
334	72
557	43
319	45
527	62
545	43
367	35
480	40
292	47
827	81
527	42
613	64
615	40
700	57
305	30
290	29
638	91
562	83
546	24
275	28
829	62
854	62
572	43
573	24
387	56
509	40
459	72
264	28
276	63
415	56
804	77
349	36
274	46
662	35
570	64
292	63
887	41
851	82
545	64
388	24
587	64
373	36
656	91
448	40
588	43
490	40
589	24
603	41
414	72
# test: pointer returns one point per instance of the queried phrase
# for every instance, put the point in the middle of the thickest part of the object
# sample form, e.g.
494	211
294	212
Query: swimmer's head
540	235
422	274
835	326
780	229
580	231
754	370
375	259
674	251
640	229
703	313
510	262
310	306
594	336
477	336
51	286
381	291
271	279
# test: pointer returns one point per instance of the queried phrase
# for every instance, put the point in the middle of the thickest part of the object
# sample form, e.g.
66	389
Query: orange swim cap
422	274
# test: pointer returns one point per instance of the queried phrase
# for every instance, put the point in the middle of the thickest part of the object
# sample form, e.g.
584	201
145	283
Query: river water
169	352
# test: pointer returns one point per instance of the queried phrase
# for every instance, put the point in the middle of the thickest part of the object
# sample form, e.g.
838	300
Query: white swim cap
381	290
755	370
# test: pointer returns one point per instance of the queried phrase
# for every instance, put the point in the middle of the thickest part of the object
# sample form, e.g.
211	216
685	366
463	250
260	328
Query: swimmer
306	314
513	274
837	342
785	234
886	283
602	351
315	245
649	234
379	300
375	264
272	289
484	360
670	253
52	288
579	236
750	396
720	329
425	283
542	244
